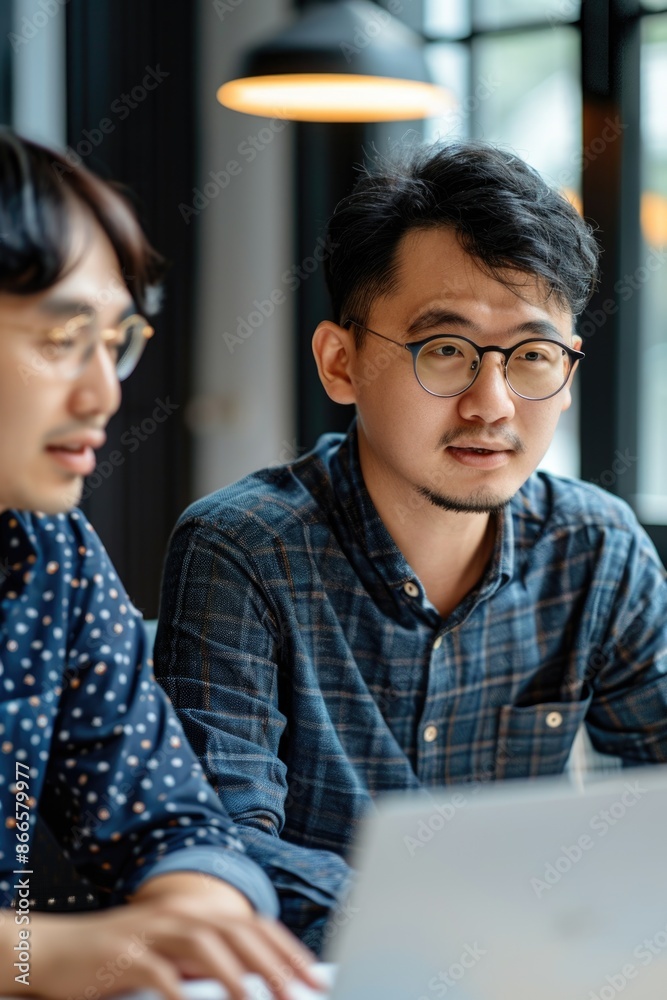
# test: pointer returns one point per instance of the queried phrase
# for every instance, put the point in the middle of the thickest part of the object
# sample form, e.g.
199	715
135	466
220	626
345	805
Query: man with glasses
412	604
87	738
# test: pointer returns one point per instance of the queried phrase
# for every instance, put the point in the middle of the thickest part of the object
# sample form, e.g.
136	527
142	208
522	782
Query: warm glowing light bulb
329	97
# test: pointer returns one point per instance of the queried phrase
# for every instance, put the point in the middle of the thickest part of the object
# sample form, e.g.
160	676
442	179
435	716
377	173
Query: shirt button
430	733
438	642
411	589
554	719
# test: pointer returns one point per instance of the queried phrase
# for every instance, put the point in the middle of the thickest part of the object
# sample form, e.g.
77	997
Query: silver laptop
529	890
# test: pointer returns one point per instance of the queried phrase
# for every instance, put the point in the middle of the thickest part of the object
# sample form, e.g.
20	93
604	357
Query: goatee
480	503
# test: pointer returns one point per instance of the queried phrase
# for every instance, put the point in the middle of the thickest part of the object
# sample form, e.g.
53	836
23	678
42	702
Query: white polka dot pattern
110	769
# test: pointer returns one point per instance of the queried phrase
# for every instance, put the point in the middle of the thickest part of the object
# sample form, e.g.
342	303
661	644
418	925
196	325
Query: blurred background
237	203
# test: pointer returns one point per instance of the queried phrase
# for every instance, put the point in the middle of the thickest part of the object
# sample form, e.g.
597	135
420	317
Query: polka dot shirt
107	763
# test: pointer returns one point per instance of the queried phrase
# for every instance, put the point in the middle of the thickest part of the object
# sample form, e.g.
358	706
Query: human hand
271	951
157	941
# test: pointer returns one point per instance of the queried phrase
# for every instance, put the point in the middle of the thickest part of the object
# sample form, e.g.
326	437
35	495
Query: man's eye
445	350
77	330
60	348
534	356
65	344
548	353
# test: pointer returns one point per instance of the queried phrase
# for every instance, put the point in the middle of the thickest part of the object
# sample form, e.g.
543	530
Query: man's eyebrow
438	317
60	308
446	317
541	328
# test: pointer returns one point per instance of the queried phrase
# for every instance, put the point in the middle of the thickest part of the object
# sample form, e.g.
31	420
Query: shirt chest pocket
537	739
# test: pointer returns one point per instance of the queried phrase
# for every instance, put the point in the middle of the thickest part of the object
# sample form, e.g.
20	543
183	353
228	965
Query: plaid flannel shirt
311	672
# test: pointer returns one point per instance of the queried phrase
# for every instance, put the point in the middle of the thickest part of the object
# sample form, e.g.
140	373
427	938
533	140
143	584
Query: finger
157	973
300	958
208	955
255	949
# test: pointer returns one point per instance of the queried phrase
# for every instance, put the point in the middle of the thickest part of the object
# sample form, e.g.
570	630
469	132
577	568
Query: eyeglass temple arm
111	333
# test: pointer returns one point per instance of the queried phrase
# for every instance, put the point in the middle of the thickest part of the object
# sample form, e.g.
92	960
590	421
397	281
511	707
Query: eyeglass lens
125	348
129	347
448	366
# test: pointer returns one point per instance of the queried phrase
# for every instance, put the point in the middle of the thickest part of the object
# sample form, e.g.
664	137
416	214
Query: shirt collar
17	551
352	495
380	548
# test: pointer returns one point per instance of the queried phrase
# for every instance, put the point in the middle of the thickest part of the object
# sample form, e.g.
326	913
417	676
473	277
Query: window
651	501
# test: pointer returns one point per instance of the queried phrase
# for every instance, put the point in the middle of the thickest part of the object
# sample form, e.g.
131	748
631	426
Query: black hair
38	187
503	212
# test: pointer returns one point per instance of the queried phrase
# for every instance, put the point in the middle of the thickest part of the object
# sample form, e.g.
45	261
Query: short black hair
503	212
37	189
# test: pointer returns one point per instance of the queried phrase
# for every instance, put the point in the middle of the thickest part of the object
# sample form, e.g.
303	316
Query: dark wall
130	71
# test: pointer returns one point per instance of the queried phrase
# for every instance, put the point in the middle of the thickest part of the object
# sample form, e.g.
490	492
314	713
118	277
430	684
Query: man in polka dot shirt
86	736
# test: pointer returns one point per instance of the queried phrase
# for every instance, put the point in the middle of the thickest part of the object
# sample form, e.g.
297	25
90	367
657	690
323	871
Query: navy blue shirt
311	672
102	752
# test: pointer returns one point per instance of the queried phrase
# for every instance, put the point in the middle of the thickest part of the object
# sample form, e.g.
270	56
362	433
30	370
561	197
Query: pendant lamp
347	61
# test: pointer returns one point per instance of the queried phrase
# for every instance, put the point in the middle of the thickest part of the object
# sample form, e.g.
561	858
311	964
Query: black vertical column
325	172
131	118
326	155
611	196
327	158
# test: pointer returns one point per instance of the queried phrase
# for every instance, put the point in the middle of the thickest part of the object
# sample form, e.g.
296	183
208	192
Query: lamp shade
345	61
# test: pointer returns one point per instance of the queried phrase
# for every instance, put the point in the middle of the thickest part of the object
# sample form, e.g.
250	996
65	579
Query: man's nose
96	392
489	398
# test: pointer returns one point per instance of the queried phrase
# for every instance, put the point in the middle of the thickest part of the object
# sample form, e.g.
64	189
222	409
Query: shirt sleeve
124	793
628	669
217	655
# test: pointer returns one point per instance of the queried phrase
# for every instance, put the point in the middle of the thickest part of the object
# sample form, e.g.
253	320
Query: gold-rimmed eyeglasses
70	346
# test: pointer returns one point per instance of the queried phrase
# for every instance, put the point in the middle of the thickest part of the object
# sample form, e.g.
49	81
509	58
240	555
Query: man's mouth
480	451
77	455
480	458
79	460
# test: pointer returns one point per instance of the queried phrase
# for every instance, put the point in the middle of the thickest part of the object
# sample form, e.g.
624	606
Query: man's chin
480	502
69	497
56	500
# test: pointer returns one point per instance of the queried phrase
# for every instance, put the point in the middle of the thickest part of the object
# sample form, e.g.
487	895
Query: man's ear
335	351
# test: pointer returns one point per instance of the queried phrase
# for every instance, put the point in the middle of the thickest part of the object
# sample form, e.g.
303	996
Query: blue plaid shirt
311	672
85	726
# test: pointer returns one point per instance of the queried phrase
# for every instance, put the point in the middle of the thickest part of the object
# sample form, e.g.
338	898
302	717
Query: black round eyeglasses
448	364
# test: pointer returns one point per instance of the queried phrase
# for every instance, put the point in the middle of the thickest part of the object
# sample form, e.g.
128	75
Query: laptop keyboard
208	989
256	988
